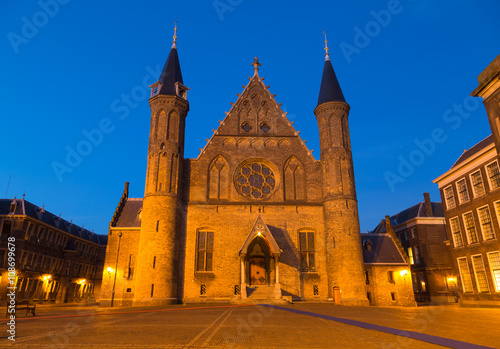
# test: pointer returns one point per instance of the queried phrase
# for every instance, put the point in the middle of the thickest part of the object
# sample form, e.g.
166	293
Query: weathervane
175	34
327	56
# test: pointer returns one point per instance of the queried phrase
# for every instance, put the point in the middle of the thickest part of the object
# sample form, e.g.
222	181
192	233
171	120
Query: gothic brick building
254	216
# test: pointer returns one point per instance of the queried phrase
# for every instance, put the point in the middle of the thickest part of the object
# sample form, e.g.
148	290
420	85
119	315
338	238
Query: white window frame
475	273
465	228
472	183
488	174
458	191
448	207
495	285
461	274
481	223
459	230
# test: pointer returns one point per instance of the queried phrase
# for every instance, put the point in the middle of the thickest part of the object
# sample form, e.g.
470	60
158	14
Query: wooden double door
258	271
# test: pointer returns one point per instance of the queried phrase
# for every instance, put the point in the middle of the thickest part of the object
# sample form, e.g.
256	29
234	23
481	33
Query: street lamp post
116	268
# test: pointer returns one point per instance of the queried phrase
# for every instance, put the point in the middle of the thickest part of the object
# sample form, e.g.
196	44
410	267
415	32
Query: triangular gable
261	230
256	107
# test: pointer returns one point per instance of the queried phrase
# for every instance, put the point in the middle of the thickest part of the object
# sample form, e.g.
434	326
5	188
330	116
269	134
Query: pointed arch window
294	180
219	179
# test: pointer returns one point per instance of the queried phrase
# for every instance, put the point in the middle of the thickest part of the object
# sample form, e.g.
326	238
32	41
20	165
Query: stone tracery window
255	180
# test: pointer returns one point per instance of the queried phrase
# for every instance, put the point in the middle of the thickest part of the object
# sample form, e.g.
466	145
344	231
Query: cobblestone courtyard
302	325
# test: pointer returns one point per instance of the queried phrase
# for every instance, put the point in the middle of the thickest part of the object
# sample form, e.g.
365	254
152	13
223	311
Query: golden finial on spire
327	56
175	34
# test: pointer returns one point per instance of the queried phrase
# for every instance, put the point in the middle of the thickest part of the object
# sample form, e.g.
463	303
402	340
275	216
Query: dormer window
13	206
368	245
181	90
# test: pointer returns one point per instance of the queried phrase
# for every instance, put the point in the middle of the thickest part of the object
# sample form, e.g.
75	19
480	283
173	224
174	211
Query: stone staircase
263	295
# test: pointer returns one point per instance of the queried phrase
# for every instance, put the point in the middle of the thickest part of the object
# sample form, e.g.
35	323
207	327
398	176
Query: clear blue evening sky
72	67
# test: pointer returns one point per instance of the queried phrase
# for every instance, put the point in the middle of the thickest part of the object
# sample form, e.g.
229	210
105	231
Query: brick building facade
56	261
254	216
421	231
470	191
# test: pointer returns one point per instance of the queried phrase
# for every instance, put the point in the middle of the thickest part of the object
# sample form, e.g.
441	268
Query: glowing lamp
403	273
259	233
110	270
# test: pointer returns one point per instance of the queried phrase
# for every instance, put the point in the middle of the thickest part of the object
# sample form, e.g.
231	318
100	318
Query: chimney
428	205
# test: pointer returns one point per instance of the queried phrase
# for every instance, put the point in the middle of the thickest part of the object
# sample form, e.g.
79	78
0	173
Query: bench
23	305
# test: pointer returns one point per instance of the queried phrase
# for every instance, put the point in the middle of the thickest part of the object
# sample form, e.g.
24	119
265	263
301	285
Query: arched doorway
258	262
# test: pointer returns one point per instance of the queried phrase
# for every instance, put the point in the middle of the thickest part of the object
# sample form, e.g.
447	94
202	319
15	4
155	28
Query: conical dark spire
171	72
330	90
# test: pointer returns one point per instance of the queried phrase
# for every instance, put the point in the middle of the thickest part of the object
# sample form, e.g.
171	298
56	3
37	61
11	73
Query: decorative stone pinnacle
256	65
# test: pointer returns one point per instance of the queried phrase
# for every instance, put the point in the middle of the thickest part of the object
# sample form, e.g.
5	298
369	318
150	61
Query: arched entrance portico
259	260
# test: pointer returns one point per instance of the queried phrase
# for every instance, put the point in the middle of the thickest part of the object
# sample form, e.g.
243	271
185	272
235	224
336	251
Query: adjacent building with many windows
56	261
470	191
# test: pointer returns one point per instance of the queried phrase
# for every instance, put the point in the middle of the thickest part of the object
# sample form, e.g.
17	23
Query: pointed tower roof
171	72
330	90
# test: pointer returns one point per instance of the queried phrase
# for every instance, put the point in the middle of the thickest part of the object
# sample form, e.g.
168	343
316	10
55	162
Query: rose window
255	180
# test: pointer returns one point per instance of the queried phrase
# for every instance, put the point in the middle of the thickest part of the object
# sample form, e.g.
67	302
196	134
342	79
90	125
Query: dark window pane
312	264
303	257
310	241
201	241
210	241
303	242
209	261
201	261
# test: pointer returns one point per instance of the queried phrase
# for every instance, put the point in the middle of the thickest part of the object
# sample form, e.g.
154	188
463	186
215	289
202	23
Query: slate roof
129	215
383	250
416	211
170	74
24	207
474	150
330	90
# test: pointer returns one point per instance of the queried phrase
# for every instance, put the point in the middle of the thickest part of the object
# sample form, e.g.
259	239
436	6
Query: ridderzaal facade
254	217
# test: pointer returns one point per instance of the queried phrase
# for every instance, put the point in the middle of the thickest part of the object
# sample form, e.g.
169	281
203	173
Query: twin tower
254	216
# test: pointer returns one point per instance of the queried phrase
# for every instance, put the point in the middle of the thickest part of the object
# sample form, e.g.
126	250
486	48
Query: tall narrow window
494	258
390	277
418	259
152	290
449	197
456	233
480	271
463	195
463	267
486	224
493	175
131	263
410	255
308	262
205	251
154	262
477	183
470	228
157	225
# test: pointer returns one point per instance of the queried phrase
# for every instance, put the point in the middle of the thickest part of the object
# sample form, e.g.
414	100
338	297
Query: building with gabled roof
421	231
55	260
255	217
